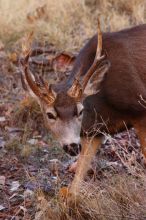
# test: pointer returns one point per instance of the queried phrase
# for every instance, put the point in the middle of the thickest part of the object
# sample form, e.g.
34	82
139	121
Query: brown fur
61	106
119	96
117	102
117	105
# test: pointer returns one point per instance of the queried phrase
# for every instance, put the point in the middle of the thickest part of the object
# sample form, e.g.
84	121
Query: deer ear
93	85
63	61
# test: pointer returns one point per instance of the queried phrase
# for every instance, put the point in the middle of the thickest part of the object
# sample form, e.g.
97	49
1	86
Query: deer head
61	104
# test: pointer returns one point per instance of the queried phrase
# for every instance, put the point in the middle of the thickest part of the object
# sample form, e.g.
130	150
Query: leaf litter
30	159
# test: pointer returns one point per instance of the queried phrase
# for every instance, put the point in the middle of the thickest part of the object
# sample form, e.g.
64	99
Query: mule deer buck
105	91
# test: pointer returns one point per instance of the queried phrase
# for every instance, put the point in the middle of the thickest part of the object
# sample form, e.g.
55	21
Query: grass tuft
120	197
67	24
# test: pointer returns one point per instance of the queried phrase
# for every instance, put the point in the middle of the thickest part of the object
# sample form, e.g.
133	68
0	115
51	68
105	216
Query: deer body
120	90
110	89
118	103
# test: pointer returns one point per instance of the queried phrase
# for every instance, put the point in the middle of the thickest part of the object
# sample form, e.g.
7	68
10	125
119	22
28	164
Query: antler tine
98	58
26	46
26	50
99	47
43	92
77	88
48	88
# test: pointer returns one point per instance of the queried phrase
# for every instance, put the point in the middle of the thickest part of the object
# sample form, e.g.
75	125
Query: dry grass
117	196
27	115
66	23
120	197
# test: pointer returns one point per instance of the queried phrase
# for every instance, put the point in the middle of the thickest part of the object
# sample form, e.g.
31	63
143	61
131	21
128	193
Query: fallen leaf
2	207
32	141
28	193
23	208
14	186
2	143
2	119
64	192
2	180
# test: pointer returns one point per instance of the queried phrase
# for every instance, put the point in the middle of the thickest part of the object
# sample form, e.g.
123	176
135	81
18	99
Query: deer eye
81	112
51	116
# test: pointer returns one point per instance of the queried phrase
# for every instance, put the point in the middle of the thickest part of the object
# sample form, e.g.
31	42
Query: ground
33	167
31	161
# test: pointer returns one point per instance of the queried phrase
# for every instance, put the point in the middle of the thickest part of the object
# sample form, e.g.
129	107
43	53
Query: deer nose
73	149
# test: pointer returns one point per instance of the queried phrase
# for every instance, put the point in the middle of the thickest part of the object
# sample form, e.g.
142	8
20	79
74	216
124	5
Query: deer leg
89	148
141	132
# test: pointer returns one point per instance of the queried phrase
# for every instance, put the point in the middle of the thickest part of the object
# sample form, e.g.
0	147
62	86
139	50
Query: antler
42	90
99	66
97	60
